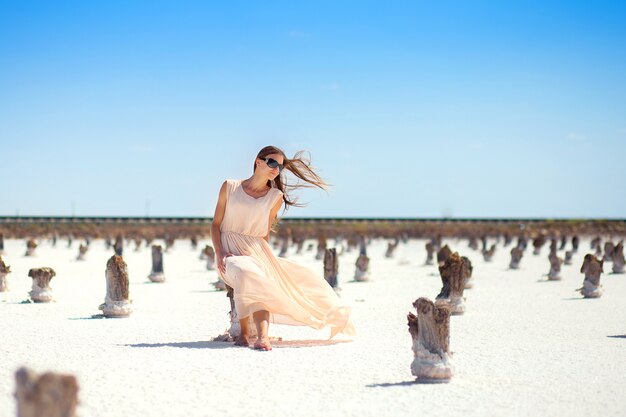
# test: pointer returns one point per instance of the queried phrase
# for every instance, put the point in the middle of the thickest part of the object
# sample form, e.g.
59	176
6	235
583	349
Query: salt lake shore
527	343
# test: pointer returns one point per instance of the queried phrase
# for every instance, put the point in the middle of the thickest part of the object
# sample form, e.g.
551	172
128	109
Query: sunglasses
272	163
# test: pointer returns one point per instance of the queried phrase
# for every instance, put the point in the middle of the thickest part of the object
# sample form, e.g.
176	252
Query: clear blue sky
417	108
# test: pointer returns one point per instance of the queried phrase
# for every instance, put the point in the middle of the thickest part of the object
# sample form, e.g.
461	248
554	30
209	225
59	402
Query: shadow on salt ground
306	343
186	345
407	383
618	336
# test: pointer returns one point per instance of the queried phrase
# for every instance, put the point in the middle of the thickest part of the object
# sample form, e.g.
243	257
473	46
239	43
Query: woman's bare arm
273	214
216	237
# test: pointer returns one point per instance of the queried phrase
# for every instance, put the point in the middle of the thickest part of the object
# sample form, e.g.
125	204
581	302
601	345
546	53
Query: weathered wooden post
488	254
209	253
362	264
157	274
45	395
443	254
516	257
595	242
116	302
575	243
284	246
618	258
608	251
453	273
41	291
538	243
563	242
430	251
4	271
391	248
592	268
118	246
568	257
331	267
430	331
473	243
1	244
555	267
321	248
82	251
31	245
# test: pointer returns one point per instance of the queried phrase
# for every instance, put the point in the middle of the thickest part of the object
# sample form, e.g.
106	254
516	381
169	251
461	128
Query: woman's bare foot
263	344
242	340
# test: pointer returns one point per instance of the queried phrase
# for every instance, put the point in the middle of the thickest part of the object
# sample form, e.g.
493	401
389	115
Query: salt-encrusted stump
488	254
45	395
592	268
595	242
118	246
234	331
70	239
362	267
598	253
1	244
331	266
483	241
568	257
522	242
194	242
516	257
137	244
473	243
618	258
538	243
507	239
430	252
553	247
41	291
575	243
608	251
321	248
443	254
555	268
31	245
430	331
169	243
209	252
454	273
4	271
116	302
82	251
55	237
284	246
563	242
469	281
391	248
156	274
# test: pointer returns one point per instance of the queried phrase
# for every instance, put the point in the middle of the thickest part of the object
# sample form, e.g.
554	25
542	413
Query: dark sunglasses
272	163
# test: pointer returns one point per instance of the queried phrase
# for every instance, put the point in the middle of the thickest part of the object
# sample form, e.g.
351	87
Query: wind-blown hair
300	167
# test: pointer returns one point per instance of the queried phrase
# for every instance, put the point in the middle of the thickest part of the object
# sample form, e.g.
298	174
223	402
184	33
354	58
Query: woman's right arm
216	235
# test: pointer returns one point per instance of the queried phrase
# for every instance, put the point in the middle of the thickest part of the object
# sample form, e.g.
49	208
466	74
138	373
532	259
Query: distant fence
287	220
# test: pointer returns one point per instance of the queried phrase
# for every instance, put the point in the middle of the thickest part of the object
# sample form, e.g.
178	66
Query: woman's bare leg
262	322
242	339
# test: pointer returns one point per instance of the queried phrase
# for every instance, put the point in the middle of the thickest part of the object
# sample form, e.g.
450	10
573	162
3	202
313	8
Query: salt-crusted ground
525	346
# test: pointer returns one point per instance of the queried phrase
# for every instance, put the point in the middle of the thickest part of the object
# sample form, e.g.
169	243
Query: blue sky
412	109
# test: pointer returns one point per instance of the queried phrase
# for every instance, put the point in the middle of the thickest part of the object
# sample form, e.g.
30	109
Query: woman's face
263	164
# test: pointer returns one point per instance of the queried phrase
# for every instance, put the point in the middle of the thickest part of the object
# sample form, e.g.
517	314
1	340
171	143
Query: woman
266	287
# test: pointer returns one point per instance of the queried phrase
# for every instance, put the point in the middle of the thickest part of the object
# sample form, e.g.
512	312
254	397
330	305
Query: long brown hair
300	167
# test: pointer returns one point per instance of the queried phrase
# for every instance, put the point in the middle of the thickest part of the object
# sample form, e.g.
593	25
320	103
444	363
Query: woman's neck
256	183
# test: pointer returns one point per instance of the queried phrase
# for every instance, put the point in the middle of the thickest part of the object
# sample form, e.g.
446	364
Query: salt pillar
331	266
592	268
45	395
430	331
4	271
116	303
157	275
453	273
516	257
41	291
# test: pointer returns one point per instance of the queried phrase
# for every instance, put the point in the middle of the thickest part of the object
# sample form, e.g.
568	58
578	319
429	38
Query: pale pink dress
293	294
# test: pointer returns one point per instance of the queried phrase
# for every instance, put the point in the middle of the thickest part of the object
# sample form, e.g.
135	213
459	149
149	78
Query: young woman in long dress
269	288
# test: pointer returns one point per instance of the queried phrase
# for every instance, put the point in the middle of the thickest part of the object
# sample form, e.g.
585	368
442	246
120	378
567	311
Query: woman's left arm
273	214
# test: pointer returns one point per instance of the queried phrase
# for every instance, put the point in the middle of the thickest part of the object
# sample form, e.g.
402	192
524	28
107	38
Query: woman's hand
221	260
